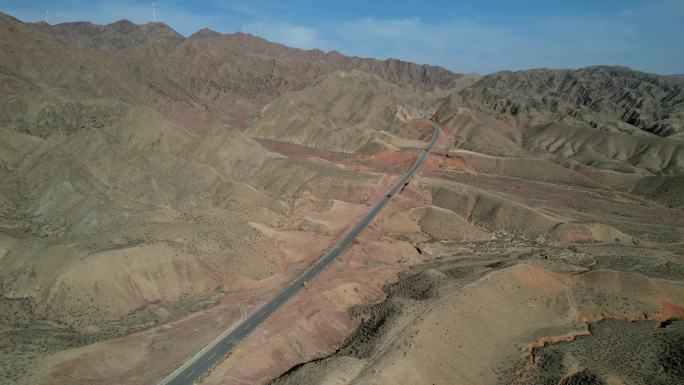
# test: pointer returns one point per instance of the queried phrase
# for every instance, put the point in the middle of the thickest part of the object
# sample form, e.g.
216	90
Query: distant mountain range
211	77
207	77
606	98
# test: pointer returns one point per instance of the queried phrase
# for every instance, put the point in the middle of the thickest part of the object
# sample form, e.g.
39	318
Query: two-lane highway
211	355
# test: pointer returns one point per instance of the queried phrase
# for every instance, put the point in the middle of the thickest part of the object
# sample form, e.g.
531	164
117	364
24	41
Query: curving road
213	353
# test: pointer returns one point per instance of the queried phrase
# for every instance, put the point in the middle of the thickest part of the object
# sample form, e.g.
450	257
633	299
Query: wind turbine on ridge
154	12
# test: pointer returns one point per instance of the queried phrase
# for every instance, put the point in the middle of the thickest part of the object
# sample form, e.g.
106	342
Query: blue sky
463	35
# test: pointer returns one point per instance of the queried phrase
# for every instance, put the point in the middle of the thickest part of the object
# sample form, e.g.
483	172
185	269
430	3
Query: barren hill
123	34
112	37
606	98
344	111
209	78
317	61
51	86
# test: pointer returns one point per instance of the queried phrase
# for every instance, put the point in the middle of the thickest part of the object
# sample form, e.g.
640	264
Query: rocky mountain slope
605	98
52	87
113	37
344	111
123	34
210	76
559	134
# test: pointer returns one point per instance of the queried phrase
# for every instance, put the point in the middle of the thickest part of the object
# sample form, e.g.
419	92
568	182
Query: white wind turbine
46	16
154	12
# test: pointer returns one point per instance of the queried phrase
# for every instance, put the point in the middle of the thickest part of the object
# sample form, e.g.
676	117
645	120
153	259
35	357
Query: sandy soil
483	313
462	273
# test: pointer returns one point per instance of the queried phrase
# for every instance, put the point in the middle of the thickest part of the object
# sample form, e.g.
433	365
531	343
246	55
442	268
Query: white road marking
317	268
190	374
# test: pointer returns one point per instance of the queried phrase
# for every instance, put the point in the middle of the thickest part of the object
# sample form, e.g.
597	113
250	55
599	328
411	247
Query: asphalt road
211	355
